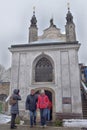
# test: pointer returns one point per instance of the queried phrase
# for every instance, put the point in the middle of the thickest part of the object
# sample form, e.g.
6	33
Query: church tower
33	30
70	27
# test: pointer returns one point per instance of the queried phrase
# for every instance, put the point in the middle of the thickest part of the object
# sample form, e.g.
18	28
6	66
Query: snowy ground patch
75	123
4	119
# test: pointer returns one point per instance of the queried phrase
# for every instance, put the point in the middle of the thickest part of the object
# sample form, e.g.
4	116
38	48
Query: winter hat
42	91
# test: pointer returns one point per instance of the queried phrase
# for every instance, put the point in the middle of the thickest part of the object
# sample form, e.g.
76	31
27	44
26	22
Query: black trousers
13	116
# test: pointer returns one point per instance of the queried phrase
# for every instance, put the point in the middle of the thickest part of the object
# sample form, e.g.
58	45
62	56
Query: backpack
12	101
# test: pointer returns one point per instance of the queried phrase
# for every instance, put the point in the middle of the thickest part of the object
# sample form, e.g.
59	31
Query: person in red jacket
42	104
49	110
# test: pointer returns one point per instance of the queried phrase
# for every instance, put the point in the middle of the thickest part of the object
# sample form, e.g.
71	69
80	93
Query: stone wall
4	92
4	88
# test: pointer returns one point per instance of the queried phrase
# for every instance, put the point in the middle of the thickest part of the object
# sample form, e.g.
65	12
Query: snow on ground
4	119
75	123
66	122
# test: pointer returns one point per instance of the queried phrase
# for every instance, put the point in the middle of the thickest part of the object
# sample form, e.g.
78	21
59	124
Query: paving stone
27	127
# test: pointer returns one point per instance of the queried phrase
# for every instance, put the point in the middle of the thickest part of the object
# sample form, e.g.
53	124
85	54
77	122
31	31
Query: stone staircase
84	99
84	108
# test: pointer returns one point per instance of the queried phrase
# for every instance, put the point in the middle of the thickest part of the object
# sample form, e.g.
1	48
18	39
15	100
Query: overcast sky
15	18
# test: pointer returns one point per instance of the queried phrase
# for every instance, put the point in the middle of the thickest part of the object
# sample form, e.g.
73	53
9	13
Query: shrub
17	120
58	122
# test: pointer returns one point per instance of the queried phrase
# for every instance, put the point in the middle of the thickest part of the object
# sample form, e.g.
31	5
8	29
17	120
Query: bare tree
2	70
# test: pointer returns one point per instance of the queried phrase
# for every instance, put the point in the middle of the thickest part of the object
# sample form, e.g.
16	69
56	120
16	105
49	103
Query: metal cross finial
34	10
52	16
68	5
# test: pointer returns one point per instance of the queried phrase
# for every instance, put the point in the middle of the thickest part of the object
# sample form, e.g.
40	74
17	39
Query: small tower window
43	71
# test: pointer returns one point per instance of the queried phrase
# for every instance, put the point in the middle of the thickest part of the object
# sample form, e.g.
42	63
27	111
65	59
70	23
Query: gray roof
45	41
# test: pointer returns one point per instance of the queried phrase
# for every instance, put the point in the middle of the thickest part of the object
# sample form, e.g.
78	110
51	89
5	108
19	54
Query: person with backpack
31	105
14	107
42	104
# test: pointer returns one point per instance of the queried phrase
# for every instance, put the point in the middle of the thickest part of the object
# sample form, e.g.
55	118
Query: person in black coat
31	105
15	107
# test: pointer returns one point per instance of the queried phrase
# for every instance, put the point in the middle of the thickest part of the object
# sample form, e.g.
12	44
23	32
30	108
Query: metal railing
84	89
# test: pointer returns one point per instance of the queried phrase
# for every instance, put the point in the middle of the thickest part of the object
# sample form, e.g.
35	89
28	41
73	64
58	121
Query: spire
33	30
69	16
33	19
70	26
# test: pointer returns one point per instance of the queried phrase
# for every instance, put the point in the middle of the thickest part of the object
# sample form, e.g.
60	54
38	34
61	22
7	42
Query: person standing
42	104
31	102
49	109
15	108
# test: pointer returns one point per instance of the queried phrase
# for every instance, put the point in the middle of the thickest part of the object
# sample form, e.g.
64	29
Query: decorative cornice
44	47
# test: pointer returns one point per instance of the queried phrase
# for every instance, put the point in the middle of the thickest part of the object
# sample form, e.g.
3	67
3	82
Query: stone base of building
68	116
25	115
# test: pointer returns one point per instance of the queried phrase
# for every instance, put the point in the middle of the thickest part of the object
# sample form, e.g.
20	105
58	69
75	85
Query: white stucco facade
65	87
60	53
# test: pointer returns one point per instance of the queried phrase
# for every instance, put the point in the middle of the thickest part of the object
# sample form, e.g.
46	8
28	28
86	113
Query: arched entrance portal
50	93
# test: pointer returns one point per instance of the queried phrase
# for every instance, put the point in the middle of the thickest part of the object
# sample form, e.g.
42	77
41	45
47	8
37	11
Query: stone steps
84	108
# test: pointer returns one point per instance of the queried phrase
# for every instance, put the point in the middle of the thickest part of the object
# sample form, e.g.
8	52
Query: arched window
43	70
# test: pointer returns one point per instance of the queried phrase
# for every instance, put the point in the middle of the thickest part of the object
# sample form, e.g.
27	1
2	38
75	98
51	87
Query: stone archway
51	95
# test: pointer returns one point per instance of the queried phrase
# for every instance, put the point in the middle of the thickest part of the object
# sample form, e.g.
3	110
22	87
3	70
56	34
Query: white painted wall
66	74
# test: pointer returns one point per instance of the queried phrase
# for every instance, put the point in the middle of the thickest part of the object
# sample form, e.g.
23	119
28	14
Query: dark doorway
49	94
